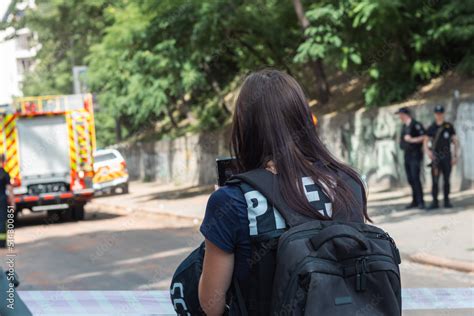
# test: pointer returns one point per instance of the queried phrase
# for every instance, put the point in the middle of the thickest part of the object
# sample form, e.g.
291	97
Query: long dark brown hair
273	121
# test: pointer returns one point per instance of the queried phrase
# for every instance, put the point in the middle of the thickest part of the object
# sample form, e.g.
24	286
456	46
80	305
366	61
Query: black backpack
184	288
184	284
312	268
319	267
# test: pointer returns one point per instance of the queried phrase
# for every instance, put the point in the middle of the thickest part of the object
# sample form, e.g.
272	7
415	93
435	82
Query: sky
7	64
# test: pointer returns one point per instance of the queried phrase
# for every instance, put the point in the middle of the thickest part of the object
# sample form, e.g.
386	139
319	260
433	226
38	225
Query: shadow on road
104	195
137	259
179	193
32	219
396	212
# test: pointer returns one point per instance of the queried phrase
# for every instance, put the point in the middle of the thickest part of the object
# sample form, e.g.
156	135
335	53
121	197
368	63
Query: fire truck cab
48	144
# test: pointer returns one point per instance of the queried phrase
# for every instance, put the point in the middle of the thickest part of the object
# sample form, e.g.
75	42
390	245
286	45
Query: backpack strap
240	309
267	184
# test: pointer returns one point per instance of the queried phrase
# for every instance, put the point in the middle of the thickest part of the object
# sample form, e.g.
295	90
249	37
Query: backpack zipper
311	232
395	251
361	269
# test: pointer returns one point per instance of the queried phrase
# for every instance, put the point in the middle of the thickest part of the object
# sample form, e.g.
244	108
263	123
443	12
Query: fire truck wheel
54	216
78	212
65	215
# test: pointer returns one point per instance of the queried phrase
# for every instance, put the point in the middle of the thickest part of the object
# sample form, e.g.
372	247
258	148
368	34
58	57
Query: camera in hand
226	167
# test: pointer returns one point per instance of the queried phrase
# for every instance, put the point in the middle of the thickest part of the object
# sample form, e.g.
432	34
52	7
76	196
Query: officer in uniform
411	142
440	136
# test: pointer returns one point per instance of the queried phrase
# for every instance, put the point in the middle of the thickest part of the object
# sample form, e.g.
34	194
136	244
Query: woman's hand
215	279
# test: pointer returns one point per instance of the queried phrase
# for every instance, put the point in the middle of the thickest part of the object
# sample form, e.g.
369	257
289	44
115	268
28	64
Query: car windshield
104	157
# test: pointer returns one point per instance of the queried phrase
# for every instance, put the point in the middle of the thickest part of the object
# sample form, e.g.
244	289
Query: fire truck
48	144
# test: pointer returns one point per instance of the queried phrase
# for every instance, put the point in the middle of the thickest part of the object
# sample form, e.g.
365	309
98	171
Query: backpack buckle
361	269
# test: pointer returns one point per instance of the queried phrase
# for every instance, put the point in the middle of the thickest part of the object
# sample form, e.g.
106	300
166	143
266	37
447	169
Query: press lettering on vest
320	202
257	206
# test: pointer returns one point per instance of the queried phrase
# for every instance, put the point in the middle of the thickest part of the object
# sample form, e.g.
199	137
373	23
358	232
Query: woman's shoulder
226	198
227	192
224	220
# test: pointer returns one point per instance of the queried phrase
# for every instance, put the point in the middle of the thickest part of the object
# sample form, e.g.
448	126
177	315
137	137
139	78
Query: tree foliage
173	62
397	44
66	30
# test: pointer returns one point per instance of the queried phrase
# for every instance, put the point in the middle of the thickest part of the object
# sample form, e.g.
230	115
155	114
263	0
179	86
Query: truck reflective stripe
2	137
48	197
99	178
11	153
72	144
31	198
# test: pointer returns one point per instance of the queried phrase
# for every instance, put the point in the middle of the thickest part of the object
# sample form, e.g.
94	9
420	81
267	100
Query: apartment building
17	51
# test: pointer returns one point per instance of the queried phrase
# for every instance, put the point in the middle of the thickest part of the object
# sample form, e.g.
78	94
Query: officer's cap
404	110
439	109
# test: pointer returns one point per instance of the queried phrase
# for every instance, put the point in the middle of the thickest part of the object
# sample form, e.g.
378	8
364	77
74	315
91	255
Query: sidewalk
179	201
444	237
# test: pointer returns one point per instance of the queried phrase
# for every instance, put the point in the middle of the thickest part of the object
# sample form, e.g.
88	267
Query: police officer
440	135
411	142
6	197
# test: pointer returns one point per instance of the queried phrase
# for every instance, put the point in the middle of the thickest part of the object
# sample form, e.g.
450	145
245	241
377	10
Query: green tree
171	65
396	44
163	61
66	29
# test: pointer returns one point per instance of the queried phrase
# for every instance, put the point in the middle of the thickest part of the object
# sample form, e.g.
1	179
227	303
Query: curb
421	258
103	207
441	262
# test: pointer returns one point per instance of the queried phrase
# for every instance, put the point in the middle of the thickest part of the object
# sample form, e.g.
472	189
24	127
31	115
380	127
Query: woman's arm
215	279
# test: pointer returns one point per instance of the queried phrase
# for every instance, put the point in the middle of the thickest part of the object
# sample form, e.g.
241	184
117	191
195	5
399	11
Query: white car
111	174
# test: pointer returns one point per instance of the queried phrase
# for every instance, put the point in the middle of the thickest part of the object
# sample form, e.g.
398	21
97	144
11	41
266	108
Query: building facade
18	50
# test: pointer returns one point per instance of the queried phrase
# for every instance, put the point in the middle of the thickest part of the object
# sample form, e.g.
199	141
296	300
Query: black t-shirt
233	216
414	129
441	137
4	181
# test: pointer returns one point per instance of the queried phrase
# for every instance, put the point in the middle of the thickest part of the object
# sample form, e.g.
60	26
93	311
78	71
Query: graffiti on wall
368	140
464	125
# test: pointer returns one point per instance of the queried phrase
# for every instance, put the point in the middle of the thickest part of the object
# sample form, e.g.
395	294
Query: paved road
133	251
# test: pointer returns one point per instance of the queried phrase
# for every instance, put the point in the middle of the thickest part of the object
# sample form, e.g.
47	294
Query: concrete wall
185	160
367	139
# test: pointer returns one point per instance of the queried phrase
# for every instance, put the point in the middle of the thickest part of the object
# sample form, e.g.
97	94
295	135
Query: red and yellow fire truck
48	144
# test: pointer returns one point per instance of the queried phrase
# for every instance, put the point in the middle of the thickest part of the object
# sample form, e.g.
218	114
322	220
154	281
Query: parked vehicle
48	144
111	174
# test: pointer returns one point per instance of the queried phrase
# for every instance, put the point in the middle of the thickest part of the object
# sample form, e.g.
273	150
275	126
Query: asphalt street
137	251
